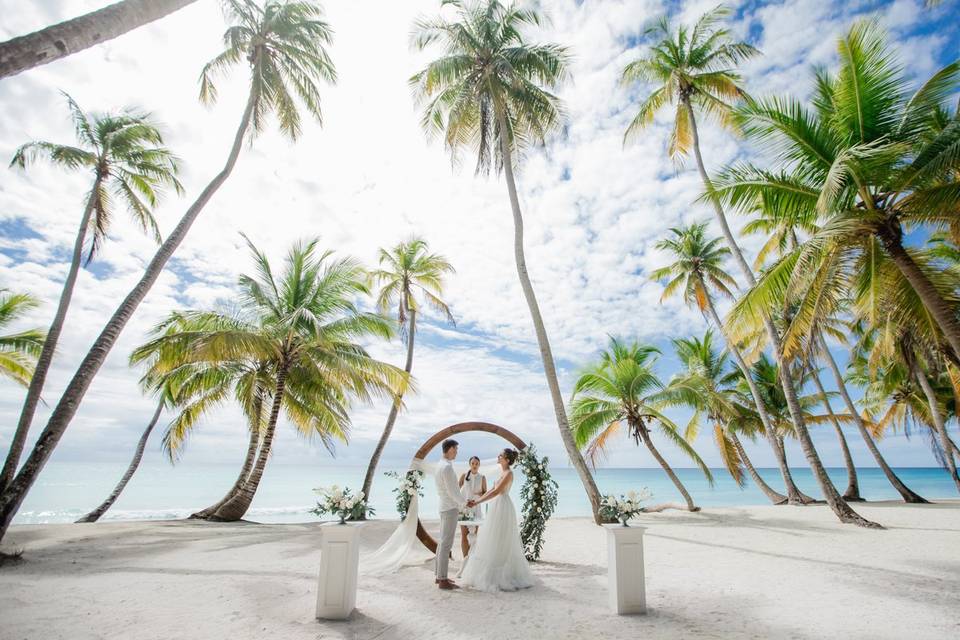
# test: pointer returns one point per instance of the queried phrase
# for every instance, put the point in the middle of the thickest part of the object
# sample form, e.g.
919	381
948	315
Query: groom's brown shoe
446	585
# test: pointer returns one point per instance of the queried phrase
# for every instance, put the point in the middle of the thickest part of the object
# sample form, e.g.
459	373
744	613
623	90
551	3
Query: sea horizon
68	490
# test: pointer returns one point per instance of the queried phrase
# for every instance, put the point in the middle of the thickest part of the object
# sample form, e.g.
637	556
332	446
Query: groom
451	502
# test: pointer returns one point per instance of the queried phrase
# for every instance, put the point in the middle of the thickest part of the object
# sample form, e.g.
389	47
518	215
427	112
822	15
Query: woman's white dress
472	489
496	561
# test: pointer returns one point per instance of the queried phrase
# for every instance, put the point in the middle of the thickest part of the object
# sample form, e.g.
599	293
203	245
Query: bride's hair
510	455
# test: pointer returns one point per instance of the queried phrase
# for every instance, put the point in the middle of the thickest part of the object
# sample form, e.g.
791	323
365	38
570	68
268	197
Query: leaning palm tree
696	68
406	271
71	36
491	90
128	166
284	46
19	350
707	386
621	389
697	271
306	325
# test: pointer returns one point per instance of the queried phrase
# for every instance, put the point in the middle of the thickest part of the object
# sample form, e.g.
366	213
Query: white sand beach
751	572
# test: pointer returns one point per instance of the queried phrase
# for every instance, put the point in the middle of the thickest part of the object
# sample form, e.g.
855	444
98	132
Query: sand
753	572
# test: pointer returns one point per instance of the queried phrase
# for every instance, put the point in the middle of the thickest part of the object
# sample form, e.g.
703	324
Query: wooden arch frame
452	430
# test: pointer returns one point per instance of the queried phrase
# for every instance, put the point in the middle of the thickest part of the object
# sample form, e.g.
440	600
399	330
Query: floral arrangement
539	499
341	503
409	485
625	507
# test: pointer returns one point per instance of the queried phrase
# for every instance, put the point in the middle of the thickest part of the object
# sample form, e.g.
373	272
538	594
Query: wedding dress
497	562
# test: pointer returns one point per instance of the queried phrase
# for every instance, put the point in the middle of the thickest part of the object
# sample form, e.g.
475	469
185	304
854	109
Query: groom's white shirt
448	489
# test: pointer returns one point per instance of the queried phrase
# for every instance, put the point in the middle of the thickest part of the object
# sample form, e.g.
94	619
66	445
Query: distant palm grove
846	319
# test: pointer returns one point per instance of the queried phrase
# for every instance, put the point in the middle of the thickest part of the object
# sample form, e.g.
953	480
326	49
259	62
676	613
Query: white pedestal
339	560
625	569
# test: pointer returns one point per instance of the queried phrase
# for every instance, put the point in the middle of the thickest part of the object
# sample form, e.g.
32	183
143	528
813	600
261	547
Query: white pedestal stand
339	561
625	569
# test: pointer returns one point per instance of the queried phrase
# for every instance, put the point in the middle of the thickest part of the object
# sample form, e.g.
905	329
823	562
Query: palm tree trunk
49	347
775	497
793	493
241	478
852	493
549	369
235	508
905	492
666	467
394	410
66	408
69	37
932	300
938	422
842	510
97	513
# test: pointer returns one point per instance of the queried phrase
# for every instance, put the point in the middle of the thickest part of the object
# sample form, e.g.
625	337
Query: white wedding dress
496	562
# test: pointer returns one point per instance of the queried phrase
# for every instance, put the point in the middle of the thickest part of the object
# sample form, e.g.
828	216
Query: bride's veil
403	548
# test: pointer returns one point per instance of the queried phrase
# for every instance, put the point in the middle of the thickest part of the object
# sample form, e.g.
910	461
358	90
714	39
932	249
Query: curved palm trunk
837	504
394	410
645	436
241	478
931	298
905	492
549	369
69	37
938	422
852	493
770	433
49	347
66	408
97	513
236	507
774	496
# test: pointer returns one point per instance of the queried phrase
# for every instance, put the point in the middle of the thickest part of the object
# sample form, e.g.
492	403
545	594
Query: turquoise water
67	490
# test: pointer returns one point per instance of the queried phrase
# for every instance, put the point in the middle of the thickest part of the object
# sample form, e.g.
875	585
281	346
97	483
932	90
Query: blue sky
594	210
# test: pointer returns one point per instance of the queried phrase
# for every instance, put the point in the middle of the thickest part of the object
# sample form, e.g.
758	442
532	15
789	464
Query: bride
497	562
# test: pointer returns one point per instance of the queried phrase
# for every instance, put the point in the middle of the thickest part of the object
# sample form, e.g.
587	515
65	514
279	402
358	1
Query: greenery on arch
538	497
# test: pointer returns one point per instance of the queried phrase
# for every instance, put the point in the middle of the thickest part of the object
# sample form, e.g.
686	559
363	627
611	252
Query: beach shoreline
744	572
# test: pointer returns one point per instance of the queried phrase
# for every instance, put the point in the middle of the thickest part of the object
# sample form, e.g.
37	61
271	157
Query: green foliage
18	351
538	497
409	485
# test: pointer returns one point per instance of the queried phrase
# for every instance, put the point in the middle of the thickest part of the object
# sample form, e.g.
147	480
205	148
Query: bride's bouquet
341	503
624	507
410	484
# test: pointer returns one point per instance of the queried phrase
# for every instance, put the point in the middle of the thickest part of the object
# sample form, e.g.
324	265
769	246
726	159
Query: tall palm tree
696	69
306	325
491	89
124	157
18	351
66	38
406	270
706	385
697	268
622	388
284	45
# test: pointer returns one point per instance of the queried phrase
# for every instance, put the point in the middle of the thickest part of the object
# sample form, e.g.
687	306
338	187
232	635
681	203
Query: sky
368	178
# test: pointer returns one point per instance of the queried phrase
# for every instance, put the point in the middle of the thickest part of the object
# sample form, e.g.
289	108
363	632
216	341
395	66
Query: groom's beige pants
448	528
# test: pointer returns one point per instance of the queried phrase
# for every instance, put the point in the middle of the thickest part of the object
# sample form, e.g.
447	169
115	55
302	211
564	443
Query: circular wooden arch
452	430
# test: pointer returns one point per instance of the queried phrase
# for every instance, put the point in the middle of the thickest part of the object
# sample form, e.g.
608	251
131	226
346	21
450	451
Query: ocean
67	490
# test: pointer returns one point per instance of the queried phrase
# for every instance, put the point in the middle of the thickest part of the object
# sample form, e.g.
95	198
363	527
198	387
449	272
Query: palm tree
284	45
491	89
707	386
18	351
871	158
696	269
68	37
406	270
695	68
304	325
124	157
622	388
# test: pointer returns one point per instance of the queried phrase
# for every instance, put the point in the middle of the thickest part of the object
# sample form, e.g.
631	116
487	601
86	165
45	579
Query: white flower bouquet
342	503
409	484
625	507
